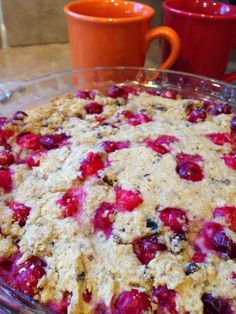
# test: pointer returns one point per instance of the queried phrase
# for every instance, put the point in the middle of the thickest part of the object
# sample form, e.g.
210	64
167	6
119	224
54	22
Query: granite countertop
25	63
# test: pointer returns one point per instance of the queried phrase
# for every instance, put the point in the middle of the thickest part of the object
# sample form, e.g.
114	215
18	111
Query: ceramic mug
207	33
114	33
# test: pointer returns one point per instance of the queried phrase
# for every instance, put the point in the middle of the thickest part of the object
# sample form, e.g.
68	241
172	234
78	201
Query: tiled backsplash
32	22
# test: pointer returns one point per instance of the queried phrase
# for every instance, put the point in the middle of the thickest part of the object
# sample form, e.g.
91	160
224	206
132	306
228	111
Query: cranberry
153	92
61	306
197	115
94	108
90	165
233	124
110	146
6	158
5	180
136	119
214	239
219	138
72	202
127	200
101	308
25	276
168	93
198	256
139	118
33	159
189	171
103	218
19	115
230	160
28	141
129	90
212	305
116	92
147	247
165	299
85	94
221	108
222	243
175	218
162	144
132	302
20	212
182	157
229	215
87	296
53	141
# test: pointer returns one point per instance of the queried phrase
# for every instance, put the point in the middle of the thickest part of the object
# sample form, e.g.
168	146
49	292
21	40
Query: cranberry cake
122	203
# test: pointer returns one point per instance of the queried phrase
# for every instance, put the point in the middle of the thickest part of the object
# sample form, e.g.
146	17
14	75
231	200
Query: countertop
24	63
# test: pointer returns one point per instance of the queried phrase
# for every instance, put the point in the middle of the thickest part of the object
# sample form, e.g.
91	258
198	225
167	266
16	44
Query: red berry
182	157
72	202
219	138
213	239
233	124
111	146
6	158
85	94
212	305
152	92
165	299
20	212
25	276
103	218
116	92
230	160
175	218
61	306
221	108
87	296
53	141
198	256
33	159
139	118
127	200
5	180
146	248
94	108
168	93
28	141
101	308
19	115
128	114
190	171
229	215
90	165
162	144
132	302
197	115
223	244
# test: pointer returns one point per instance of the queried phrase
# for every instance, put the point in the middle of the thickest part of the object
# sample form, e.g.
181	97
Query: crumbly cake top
123	203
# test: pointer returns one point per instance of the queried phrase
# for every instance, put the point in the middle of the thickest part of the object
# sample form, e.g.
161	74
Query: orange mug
114	33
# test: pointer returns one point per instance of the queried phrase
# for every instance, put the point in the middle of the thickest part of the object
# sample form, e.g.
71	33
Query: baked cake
122	204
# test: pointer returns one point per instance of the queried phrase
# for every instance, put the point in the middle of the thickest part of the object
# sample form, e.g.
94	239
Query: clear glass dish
20	95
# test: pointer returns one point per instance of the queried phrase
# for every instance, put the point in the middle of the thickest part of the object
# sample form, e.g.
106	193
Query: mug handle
229	77
171	36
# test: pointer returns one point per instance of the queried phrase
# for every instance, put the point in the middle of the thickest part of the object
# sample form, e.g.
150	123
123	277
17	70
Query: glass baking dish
21	95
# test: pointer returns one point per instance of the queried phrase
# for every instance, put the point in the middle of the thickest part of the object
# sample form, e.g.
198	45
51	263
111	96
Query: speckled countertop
24	63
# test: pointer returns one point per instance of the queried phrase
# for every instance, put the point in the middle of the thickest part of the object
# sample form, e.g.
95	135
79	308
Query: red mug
207	33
